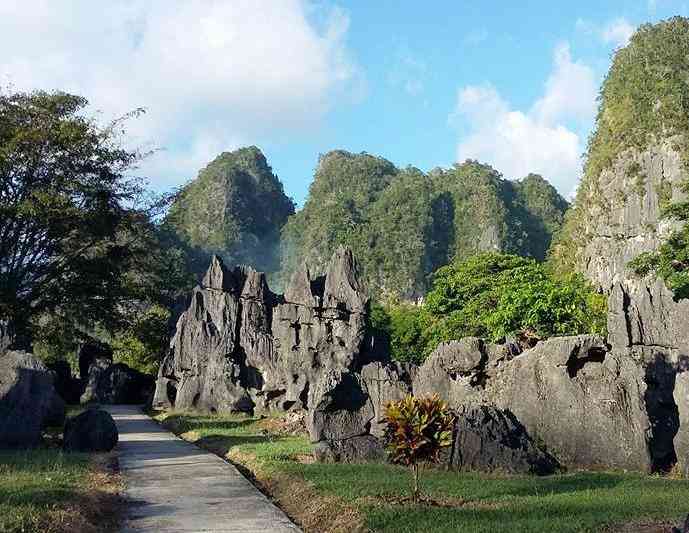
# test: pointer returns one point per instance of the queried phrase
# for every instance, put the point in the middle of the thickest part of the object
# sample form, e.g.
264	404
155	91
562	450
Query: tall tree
67	207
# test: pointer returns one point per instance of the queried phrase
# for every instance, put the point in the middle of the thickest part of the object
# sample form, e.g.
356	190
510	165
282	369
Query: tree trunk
415	495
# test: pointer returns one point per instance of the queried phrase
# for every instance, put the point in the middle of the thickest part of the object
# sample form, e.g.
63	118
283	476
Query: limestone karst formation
240	347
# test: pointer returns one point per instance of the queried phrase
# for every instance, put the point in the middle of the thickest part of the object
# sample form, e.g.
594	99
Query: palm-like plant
417	429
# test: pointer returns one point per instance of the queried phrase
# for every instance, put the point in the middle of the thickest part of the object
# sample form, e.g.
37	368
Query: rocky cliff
636	165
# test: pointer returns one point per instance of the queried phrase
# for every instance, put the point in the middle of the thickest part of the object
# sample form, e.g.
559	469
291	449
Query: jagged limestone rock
239	347
116	383
570	393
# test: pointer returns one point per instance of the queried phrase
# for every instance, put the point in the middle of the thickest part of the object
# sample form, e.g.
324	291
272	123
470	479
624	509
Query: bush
493	296
142	344
417	429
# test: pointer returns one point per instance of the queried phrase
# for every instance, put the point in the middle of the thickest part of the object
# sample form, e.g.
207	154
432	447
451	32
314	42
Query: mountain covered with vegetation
235	208
633	191
404	224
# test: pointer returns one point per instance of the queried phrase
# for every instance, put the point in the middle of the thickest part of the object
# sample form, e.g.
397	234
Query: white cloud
538	140
570	92
212	74
618	32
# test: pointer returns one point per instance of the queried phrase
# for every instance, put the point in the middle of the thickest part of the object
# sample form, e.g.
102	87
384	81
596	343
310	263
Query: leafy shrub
417	429
493	296
142	344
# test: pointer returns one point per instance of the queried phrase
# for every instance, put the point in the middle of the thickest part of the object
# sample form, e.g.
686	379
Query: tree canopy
494	296
64	209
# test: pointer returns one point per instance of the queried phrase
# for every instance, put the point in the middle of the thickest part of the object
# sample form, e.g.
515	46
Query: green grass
575	502
33	483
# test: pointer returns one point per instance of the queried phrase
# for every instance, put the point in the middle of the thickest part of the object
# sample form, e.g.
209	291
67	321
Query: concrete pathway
174	486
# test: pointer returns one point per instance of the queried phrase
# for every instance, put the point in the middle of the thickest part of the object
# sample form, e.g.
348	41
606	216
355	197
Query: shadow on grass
184	423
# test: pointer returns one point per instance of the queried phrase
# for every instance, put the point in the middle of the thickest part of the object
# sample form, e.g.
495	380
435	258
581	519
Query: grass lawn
46	490
327	497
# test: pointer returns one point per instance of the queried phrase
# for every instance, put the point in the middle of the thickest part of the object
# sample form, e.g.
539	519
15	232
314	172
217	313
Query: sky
427	84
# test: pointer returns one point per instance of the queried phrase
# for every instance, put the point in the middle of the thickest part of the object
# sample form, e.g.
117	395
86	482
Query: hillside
234	208
637	157
403	224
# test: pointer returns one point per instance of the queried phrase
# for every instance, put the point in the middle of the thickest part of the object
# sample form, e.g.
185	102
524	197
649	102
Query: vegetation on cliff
671	260
493	296
643	99
235	208
404	224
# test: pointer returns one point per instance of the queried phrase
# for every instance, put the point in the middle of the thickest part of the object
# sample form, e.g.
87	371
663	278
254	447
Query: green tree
66	205
493	296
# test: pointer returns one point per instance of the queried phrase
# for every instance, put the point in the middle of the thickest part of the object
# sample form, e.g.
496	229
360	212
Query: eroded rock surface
240	347
116	383
492	440
570	393
28	400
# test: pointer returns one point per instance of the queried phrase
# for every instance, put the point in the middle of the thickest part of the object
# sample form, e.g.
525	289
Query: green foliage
235	208
671	260
493	296
66	207
404	224
416	430
644	99
142	344
405	327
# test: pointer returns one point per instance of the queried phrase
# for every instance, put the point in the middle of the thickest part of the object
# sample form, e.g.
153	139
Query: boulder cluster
567	402
33	397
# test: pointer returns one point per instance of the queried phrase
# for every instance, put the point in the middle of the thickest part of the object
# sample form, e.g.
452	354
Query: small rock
93	430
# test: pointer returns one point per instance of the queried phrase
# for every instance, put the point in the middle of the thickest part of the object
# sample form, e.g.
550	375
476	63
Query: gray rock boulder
570	393
487	439
28	400
94	430
116	383
67	386
360	449
88	352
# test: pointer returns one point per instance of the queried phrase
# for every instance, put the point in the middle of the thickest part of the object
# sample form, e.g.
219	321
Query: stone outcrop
487	439
620	216
240	347
116	383
570	393
94	430
67	386
28	400
88	352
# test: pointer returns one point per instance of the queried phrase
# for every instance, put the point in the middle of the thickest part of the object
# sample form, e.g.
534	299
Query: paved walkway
173	486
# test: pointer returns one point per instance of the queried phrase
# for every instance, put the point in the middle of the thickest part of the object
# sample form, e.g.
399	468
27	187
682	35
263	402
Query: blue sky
510	83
